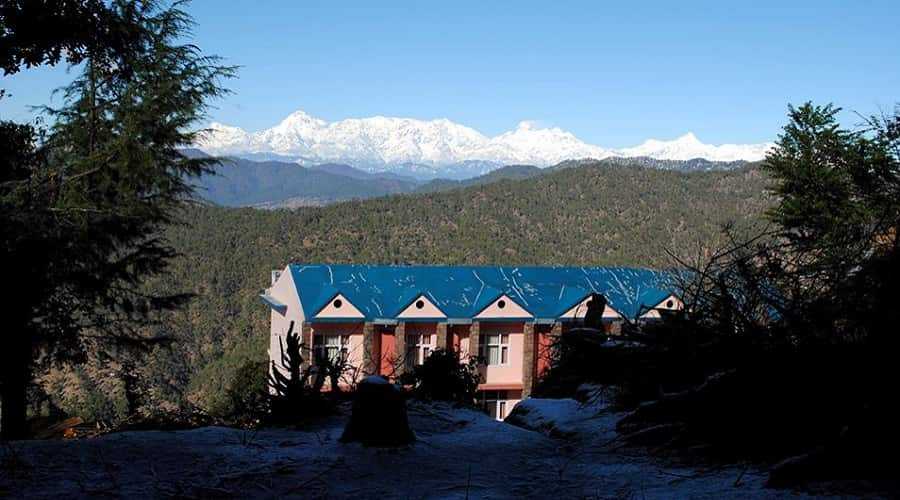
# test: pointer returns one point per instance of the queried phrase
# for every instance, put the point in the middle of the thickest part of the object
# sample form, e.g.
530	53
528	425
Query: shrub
292	396
247	395
443	377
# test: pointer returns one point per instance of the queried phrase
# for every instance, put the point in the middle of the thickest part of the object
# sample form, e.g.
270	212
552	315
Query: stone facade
400	348
443	340
306	337
371	349
474	334
529	361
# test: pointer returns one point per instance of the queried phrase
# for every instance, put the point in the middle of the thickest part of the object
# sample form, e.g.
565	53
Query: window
494	403
418	347
495	349
331	347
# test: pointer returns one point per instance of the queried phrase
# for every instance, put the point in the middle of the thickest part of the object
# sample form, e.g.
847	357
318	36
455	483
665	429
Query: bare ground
458	454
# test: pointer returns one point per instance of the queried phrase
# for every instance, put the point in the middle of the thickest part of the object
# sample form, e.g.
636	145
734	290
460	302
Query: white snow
420	145
458	454
688	147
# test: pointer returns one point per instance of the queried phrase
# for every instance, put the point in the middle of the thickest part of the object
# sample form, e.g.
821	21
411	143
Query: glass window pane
502	410
503	355
504	339
493	355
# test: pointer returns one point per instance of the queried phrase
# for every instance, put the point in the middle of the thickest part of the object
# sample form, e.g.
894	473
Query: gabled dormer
503	307
421	307
670	303
579	310
338	307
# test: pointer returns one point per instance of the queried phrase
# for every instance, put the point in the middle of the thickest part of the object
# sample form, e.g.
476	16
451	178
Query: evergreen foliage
443	377
785	347
85	206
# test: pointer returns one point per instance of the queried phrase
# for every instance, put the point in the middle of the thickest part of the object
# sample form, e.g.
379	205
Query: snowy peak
530	144
381	143
688	147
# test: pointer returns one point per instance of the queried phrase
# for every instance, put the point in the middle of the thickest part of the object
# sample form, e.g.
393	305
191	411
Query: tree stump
379	415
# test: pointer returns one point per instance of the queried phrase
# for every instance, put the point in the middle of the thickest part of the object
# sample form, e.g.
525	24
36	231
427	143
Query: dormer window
667	305
339	306
421	307
503	307
579	311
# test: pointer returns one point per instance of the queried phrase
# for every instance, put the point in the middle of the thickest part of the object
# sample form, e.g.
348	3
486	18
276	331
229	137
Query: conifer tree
82	209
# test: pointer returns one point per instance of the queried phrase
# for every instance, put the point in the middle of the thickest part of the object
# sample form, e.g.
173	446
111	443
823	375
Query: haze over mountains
441	148
241	182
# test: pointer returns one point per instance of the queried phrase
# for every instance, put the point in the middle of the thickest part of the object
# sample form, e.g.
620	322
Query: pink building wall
285	292
355	349
510	373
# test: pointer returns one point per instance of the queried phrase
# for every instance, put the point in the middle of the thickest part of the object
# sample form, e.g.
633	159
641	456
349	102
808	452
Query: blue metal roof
382	291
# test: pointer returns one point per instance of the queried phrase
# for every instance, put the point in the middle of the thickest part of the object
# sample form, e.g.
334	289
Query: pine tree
85	206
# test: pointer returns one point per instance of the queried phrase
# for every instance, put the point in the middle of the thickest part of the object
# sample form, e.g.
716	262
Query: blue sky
613	73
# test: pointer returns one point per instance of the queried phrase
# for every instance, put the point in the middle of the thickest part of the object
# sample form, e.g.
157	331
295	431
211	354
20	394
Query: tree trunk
15	367
13	384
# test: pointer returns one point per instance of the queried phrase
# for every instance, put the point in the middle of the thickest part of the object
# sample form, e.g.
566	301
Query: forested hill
591	214
240	182
511	172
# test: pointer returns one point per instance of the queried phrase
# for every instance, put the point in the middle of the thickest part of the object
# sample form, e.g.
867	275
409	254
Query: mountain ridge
270	184
436	148
279	184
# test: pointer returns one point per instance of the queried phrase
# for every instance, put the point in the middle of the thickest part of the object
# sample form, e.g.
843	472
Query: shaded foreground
459	453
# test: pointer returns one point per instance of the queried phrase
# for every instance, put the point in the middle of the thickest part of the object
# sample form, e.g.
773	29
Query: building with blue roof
383	319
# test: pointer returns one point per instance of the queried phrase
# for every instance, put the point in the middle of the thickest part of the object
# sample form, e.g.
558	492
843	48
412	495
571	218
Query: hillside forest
591	214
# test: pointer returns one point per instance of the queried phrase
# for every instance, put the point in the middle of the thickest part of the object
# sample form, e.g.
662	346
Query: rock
65	429
379	415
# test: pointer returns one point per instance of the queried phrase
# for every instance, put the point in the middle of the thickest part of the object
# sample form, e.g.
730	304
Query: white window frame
322	349
501	343
495	404
421	345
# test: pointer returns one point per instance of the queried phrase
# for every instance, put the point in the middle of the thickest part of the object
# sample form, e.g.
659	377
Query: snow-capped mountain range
440	147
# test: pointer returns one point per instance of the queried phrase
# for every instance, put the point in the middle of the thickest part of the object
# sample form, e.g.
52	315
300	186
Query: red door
387	354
